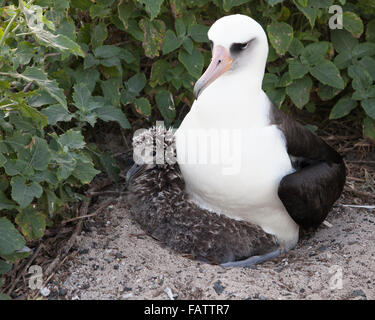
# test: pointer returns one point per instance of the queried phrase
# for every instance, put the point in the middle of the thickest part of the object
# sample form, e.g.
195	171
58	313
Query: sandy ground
116	260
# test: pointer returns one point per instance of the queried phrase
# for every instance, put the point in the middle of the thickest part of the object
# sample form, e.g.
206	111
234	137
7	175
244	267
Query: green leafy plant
69	66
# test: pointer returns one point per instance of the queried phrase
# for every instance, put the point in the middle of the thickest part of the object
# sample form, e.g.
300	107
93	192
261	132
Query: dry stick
106	193
69	244
106	203
361	162
360	193
25	268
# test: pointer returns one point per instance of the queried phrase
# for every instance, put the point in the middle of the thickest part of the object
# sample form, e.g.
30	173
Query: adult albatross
282	176
248	176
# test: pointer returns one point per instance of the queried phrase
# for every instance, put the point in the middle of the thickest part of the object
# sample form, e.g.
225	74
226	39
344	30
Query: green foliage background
67	66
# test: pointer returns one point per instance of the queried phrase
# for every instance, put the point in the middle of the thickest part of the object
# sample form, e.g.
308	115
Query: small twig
358	206
360	193
105	204
169	293
53	54
124	138
25	268
327	224
356	179
361	161
70	242
106	193
27	87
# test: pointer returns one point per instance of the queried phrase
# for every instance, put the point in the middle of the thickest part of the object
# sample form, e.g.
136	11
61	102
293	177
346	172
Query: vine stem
7	29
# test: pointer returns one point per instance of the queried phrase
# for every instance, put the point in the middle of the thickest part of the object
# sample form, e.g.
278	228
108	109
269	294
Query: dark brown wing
309	193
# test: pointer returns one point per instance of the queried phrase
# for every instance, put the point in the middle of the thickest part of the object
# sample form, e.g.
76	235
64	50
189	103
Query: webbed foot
254	259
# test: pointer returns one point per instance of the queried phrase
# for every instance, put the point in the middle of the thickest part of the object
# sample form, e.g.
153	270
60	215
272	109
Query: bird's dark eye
211	44
238	47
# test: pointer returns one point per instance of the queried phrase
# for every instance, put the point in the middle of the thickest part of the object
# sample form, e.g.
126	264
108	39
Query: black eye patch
238	47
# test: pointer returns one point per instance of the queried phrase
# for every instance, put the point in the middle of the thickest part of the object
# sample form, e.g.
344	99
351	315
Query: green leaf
198	32
274	2
361	78
158	72
165	104
5	203
285	80
296	47
343	41
40	78
192	62
24	193
327	93
180	28
32	223
297	69
134	86
10	239
353	23
84	172
71	140
152	7
56	113
99	34
25	52
369	106
107	51
81	96
46	176
270	81
40	154
36	23
277	96
171	42
368	64
143	106
111	90
66	165
134	30
17	255
311	12
111	113
126	11
88	77
99	11
14	167
299	91
315	52
153	34
229	4
281	36
364	49
342	108
343	60
188	45
4	268
327	73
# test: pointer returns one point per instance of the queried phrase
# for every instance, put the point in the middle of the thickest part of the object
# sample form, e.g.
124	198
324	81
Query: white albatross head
239	45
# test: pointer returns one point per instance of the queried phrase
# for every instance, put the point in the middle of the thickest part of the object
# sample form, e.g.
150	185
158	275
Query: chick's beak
220	63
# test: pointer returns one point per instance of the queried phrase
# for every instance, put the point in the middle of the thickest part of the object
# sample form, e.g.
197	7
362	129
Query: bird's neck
233	100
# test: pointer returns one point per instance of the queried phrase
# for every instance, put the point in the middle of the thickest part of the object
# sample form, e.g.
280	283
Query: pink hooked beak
220	63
